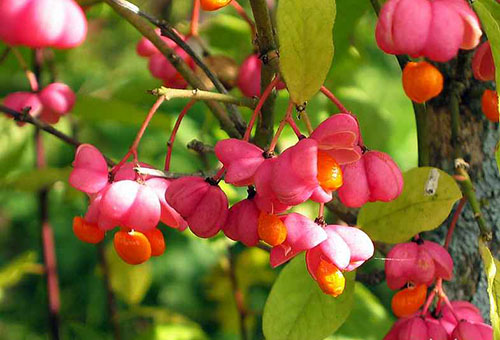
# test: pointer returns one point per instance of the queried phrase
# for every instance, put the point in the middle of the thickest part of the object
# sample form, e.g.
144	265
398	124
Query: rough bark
477	138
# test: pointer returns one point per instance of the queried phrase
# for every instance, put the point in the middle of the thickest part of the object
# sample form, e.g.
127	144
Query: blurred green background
186	293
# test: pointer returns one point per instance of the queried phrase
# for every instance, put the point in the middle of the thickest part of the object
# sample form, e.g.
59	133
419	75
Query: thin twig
134	16
200	147
168	31
25	117
169	175
469	192
170	93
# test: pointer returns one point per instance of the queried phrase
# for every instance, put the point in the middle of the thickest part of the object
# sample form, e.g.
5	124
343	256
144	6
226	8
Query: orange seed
330	278
409	300
422	81
271	229
87	232
329	172
157	241
132	246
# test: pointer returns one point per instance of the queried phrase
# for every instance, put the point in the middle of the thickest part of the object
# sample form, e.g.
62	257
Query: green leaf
13	143
306	44
13	272
369	319
190	331
491	267
489	13
415	210
129	282
96	110
297	309
35	180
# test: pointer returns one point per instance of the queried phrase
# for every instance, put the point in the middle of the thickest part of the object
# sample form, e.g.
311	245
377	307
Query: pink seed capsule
200	202
42	23
18	101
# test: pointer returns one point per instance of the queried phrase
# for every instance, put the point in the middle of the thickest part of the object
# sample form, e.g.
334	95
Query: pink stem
262	99
430	298
195	19
219	174
294	126
454	221
438	305
133	149
334	99
448	303
321	212
283	122
49	256
170	143
244	16
444	297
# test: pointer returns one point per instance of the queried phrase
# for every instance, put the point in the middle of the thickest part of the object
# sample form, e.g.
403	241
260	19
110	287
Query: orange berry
330	278
422	81
271	229
87	232
132	246
157	241
329	172
409	300
213	5
489	105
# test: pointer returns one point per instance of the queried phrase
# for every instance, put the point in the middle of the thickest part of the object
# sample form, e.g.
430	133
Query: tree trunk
475	143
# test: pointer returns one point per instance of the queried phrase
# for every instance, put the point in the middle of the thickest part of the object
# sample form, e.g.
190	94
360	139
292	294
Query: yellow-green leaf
129	282
305	28
95	109
427	199
369	320
34	180
13	272
179	332
297	309
491	267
